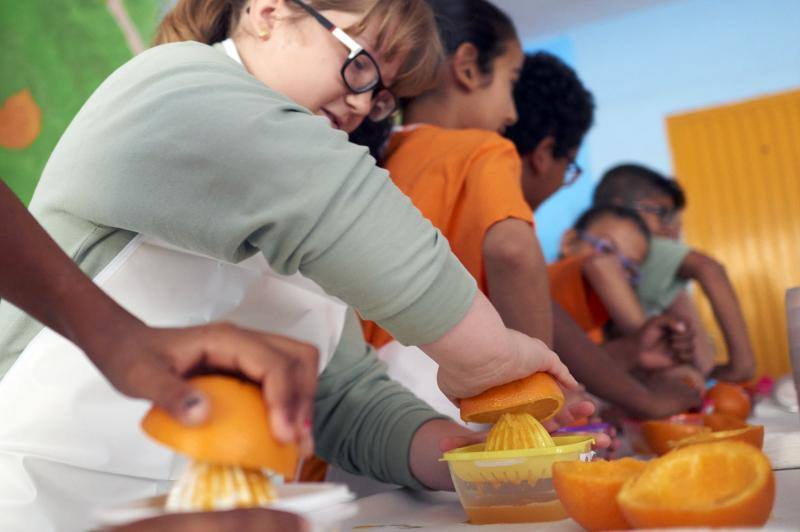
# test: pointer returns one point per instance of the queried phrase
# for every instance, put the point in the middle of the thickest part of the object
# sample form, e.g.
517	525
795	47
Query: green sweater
182	144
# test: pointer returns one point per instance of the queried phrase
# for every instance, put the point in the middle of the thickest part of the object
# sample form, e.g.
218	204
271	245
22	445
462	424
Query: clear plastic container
513	486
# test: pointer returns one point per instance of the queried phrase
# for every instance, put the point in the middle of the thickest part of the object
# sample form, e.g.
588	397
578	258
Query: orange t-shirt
572	291
463	181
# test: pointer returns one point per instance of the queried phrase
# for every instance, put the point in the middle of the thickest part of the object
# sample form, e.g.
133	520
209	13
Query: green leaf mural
53	55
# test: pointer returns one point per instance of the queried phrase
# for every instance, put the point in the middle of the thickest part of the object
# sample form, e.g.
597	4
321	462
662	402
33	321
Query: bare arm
608	379
685	309
516	273
480	352
608	279
713	278
141	361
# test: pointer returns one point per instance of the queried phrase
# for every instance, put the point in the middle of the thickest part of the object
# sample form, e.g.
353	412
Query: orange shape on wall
20	121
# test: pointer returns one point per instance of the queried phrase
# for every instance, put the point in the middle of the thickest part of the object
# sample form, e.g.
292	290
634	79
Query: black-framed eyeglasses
572	173
666	215
360	71
602	245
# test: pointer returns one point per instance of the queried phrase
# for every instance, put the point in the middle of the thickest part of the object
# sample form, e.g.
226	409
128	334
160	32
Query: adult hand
251	520
152	364
523	356
568	415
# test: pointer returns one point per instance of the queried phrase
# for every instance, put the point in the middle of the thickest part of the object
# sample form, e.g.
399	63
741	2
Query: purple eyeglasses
602	245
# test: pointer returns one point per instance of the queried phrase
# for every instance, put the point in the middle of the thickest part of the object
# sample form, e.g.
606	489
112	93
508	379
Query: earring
263	33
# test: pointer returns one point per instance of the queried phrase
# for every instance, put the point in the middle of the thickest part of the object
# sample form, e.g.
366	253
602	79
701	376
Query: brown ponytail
205	21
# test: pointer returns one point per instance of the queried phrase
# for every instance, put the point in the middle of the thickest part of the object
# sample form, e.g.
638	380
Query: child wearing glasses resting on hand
672	264
595	281
599	267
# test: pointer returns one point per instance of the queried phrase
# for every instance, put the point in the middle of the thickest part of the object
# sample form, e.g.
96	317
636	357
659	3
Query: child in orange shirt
467	182
595	278
454	165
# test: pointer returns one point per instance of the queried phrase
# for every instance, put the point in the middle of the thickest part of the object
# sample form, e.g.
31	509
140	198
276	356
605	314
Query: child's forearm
608	378
609	281
717	286
516	274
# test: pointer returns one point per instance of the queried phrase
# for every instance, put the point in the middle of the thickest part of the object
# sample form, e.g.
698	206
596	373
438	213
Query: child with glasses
463	176
595	279
672	265
555	111
598	269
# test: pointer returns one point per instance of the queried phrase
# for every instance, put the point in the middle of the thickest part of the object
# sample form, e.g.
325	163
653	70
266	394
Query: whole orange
663	436
723	484
730	399
237	431
588	490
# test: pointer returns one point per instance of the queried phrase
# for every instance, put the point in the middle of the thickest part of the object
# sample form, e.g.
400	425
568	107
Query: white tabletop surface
408	510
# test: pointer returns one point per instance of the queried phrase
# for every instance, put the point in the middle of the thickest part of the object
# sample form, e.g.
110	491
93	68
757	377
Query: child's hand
518	356
669	399
664	341
152	363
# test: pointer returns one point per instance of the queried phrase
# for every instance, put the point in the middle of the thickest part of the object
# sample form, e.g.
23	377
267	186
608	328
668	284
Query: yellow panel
740	166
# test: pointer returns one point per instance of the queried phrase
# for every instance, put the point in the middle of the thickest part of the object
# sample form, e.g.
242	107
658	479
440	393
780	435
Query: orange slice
722	484
538	395
663	436
751	434
237	432
588	490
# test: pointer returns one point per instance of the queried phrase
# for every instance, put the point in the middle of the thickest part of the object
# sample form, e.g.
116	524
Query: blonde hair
405	28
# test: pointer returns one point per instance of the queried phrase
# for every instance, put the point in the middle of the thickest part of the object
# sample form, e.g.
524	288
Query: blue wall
667	59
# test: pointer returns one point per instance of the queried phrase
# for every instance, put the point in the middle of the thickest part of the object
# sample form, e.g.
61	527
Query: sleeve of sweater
183	144
364	422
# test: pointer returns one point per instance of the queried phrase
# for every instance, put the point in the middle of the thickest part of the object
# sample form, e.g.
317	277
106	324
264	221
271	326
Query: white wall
667	59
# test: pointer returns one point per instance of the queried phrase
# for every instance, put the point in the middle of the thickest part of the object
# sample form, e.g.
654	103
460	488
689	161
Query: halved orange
723	484
538	395
588	490
716	422
751	434
236	433
663	436
730	399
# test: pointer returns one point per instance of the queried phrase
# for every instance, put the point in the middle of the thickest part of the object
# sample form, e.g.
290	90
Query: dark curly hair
551	100
630	182
595	213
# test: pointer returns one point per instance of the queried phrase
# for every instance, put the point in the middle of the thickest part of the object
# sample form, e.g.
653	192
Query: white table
408	510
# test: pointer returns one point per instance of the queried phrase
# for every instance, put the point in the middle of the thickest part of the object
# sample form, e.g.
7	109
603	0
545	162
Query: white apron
415	370
69	442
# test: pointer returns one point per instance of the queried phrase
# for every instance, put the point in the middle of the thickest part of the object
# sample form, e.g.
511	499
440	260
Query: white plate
322	504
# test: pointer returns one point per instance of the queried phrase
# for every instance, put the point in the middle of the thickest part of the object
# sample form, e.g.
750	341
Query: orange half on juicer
538	395
233	453
508	479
